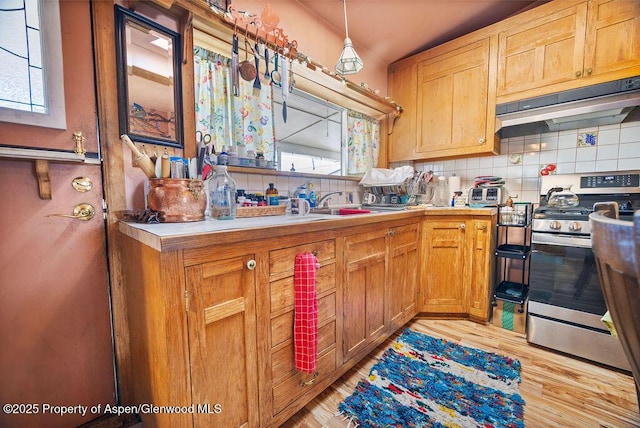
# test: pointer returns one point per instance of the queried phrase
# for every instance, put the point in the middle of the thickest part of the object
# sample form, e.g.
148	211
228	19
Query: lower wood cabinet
365	263
458	266
221	318
212	326
284	390
404	274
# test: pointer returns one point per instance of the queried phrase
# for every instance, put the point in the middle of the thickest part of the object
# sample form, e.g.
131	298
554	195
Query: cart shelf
514	251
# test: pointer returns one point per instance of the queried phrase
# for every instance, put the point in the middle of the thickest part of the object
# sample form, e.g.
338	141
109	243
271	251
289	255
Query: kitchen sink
351	210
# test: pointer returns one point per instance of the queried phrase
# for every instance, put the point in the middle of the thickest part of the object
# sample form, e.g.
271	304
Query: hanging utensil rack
264	27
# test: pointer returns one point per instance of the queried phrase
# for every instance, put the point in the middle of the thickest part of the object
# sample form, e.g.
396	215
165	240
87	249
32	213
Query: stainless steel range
565	299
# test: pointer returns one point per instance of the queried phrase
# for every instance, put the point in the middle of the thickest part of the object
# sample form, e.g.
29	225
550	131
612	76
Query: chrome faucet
325	199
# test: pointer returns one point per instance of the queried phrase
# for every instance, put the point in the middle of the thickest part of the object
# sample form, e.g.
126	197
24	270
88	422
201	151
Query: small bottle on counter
222	190
272	195
223	157
312	196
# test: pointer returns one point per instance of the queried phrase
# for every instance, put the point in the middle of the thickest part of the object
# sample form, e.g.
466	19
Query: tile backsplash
617	148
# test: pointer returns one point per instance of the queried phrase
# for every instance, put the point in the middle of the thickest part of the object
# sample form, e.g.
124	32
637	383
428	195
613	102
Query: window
31	77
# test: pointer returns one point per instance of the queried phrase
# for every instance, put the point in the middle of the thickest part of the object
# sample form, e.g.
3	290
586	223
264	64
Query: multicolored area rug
422	381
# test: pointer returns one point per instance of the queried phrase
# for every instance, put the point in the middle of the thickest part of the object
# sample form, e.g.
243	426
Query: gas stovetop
567	212
622	187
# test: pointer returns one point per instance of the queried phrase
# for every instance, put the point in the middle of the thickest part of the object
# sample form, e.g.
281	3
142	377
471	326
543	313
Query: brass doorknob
84	212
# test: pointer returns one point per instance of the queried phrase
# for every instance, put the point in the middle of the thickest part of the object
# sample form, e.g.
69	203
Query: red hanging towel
305	325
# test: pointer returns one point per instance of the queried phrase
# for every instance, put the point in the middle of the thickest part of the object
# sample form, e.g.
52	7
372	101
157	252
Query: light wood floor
559	391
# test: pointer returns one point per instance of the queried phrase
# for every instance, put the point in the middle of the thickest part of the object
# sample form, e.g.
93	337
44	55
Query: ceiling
392	30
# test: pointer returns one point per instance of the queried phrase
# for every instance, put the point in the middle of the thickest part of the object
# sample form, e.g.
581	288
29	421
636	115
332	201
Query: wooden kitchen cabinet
453	101
458	262
213	319
403	274
402	84
222	340
480	269
365	263
587	43
284	389
452	112
443	285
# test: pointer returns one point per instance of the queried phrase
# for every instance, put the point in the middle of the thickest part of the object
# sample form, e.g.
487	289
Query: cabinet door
363	288
613	38
444	288
543	52
481	261
452	101
404	274
402	83
222	342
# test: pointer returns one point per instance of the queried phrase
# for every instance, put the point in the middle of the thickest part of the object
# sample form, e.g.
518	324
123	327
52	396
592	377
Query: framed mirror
149	80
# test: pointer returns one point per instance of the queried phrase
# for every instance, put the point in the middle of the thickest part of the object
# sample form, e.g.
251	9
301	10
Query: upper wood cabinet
453	95
587	43
449	102
612	43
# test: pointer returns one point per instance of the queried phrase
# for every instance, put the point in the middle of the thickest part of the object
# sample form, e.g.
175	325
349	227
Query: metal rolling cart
511	219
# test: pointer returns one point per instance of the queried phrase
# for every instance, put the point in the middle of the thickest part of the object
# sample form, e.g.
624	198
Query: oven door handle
560	240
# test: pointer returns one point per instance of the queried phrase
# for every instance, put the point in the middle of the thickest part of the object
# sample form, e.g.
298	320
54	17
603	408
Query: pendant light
349	62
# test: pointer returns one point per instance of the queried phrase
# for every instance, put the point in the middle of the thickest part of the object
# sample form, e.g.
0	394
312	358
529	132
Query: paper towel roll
454	184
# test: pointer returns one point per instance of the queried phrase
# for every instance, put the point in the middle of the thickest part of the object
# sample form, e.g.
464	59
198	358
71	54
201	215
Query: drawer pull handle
315	253
251	264
310	381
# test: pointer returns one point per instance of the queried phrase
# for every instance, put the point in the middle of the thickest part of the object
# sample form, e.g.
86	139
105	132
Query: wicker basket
260	211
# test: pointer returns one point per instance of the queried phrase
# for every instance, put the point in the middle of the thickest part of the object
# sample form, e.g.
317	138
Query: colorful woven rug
422	381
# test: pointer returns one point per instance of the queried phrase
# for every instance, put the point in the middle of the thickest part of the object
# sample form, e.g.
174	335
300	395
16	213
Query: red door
56	350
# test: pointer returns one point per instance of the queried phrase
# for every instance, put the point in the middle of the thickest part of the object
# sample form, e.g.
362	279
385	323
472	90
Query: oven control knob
575	226
555	225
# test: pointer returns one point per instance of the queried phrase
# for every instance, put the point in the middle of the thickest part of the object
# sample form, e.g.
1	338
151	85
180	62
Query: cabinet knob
481	141
589	71
578	73
251	264
392	232
462	226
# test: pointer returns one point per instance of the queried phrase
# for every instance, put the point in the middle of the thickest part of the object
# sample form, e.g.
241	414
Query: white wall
617	149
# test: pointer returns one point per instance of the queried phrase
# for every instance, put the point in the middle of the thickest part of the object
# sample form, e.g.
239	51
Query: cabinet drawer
282	325
281	262
289	390
283	293
282	360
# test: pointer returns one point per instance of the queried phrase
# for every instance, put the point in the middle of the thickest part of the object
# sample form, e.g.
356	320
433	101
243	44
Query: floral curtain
246	119
363	143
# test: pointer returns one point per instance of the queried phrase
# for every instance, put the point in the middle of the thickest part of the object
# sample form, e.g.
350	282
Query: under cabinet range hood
597	105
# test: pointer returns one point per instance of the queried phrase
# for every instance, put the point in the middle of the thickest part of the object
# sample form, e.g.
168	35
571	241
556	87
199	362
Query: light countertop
170	236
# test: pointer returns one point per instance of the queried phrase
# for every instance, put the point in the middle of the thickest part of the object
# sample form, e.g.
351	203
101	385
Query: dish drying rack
406	190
